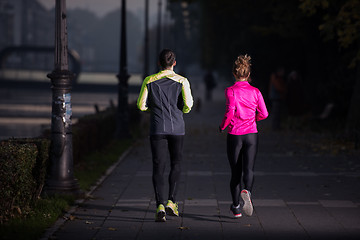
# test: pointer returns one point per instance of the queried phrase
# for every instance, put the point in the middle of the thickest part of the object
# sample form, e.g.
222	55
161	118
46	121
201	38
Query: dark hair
241	67
166	58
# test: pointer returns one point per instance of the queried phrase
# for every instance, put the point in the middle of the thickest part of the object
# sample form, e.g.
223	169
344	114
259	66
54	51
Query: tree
319	39
341	21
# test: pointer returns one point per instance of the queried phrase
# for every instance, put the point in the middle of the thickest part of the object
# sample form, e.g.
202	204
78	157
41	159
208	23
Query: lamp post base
70	187
60	179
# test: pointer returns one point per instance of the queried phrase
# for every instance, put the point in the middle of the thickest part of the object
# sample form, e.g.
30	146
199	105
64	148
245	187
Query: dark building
25	23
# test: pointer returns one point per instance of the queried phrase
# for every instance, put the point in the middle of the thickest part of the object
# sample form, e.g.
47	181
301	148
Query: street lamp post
146	43
61	177
123	76
158	42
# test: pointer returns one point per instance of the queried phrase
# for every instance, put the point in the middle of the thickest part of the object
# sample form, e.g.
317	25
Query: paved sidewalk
297	194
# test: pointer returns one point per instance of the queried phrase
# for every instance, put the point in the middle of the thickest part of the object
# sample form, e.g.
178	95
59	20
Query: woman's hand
220	130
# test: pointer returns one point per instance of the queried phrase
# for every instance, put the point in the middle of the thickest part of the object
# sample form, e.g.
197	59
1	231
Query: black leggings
241	151
159	151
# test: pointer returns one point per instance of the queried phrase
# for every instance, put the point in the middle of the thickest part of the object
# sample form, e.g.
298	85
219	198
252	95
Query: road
25	106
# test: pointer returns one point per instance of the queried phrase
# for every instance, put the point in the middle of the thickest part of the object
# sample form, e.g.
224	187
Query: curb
65	217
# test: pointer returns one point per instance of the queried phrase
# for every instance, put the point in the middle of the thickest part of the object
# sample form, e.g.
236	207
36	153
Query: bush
92	133
23	164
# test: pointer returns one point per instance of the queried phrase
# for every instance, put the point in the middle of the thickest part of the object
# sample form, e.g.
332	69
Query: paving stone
295	196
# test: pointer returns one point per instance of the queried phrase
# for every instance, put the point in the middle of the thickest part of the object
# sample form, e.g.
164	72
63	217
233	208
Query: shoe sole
171	212
237	215
160	217
248	207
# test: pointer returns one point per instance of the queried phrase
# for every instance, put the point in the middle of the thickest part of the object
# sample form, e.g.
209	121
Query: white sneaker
248	207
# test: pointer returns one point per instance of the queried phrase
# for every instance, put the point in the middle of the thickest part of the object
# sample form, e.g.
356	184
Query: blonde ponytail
241	67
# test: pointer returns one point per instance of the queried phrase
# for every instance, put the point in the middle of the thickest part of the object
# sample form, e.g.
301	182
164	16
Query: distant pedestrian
277	96
210	84
244	106
167	96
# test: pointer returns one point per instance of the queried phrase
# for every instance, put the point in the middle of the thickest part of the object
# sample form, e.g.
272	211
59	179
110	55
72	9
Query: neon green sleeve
187	97
141	101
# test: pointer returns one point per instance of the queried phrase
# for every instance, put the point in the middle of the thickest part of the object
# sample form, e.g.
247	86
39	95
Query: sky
102	7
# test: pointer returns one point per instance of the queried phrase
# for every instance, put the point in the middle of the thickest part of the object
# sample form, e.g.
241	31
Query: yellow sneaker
172	208
160	214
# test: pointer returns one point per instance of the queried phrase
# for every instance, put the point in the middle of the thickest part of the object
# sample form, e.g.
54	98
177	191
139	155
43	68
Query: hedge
93	132
22	174
23	162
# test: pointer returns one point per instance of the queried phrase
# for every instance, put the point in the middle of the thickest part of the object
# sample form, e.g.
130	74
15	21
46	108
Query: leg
158	147
250	150
175	145
234	146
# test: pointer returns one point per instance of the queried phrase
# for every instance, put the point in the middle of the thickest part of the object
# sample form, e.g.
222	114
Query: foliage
22	174
92	133
23	162
286	33
341	20
19	162
42	215
273	32
95	164
96	155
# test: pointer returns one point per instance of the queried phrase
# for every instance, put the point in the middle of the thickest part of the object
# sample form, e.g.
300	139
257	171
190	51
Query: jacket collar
167	71
241	83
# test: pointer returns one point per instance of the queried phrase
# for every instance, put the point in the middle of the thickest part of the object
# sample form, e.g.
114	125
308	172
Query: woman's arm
230	108
261	111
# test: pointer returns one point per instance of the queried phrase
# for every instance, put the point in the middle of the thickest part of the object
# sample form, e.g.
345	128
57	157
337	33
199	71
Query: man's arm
186	95
142	99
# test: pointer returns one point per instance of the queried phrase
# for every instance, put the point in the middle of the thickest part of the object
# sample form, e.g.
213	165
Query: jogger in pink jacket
244	106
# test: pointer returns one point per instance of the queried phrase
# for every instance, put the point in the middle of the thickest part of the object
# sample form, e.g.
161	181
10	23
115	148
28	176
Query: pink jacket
244	106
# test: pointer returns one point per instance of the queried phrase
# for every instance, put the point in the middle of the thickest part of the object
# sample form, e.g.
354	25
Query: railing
14	58
85	77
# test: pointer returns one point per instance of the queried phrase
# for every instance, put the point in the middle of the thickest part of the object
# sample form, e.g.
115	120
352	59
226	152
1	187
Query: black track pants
241	151
160	144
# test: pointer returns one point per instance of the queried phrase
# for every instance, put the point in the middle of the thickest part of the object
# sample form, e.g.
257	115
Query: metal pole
146	43
61	175
123	76
158	42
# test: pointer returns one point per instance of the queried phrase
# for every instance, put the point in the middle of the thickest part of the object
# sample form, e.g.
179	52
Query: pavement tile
349	218
295	195
171	229
337	203
317	221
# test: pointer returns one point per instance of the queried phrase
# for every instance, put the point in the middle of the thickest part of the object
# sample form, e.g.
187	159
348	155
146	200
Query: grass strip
95	164
31	225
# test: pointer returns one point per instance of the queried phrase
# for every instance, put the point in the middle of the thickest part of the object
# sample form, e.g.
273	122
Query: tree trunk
353	118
